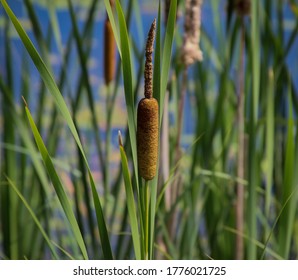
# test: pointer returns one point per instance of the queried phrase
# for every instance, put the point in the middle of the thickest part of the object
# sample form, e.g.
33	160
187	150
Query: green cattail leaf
113	24
166	54
269	142
157	63
254	108
128	84
287	217
130	204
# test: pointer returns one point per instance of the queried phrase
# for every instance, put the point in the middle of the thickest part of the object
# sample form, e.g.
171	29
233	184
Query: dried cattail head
109	50
148	73
191	51
147	118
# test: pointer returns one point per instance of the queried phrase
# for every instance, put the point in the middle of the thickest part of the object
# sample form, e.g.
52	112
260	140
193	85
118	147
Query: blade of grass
253	164
138	15
166	55
64	251
38	32
25	137
55	26
10	202
130	201
256	242
288	215
269	142
128	85
87	202
275	224
113	24
157	61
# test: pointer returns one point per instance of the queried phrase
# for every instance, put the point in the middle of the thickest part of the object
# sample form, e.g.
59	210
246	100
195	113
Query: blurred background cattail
191	51
109	50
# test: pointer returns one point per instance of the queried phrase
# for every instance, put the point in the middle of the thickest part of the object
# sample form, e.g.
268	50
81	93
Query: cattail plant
109	50
147	134
147	123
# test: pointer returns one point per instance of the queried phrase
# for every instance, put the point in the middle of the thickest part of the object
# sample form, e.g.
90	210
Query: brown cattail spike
148	62
147	126
147	137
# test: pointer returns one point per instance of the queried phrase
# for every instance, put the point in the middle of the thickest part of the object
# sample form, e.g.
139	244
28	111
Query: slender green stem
253	160
241	149
108	146
146	222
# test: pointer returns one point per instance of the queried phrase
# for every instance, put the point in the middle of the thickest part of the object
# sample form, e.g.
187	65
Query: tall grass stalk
254	108
241	149
287	216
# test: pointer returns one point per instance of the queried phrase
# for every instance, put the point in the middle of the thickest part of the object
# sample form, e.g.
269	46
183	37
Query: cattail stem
181	108
241	153
146	222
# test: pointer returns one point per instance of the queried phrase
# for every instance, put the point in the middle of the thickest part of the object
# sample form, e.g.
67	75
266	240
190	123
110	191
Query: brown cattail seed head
191	51
147	124
109	52
147	137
